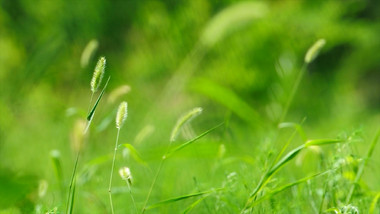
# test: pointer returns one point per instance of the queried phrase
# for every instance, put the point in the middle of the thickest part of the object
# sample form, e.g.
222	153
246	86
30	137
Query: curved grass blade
265	179
180	198
373	203
287	186
227	98
321	142
134	153
333	209
57	165
191	207
192	141
296	126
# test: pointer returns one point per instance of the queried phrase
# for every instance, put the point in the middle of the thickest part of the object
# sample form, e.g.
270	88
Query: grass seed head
313	51
122	114
183	120
118	92
125	174
88	52
98	74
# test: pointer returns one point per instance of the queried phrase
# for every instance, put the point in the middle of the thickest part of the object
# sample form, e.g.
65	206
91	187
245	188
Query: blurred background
237	60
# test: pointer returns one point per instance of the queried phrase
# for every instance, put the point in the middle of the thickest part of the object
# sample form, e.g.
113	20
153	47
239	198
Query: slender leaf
321	142
194	204
227	98
296	126
192	141
180	198
92	112
287	186
136	156
373	203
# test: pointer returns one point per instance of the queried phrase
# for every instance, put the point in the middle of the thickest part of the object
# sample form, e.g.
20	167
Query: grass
230	156
217	199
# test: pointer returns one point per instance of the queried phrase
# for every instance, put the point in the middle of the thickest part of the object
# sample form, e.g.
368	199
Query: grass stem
112	168
293	92
133	199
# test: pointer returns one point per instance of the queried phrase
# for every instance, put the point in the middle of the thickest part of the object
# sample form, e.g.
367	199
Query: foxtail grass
310	55
121	116
97	78
95	83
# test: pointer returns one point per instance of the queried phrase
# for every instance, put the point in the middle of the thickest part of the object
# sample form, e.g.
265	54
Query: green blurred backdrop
174	55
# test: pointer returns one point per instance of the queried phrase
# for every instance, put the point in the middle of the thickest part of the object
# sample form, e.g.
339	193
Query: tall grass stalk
310	55
121	116
95	83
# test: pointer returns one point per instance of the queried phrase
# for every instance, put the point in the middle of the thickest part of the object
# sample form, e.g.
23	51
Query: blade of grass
56	162
288	157
72	186
134	153
183	197
296	126
178	148
287	186
361	169
194	204
71	198
373	203
90	116
227	98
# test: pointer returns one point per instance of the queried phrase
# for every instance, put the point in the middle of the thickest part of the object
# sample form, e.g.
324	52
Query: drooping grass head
313	51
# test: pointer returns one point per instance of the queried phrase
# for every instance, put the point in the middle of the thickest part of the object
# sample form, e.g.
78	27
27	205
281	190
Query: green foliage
249	64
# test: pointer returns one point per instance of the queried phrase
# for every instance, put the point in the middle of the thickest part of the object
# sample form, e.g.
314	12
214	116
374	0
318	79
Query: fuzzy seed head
186	118
313	51
122	114
118	92
98	74
125	174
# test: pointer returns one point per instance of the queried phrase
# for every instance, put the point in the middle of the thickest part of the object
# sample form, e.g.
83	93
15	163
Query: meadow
214	106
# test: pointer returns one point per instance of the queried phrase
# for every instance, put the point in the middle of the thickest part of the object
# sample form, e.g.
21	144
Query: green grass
289	122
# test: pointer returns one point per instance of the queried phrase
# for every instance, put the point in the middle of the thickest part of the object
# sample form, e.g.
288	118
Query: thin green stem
133	200
153	183
293	92
112	168
156	176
